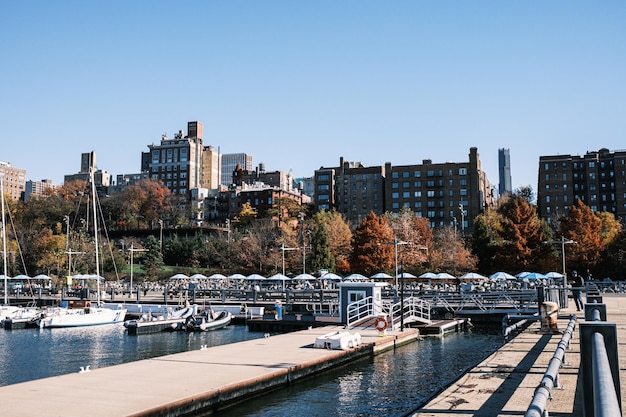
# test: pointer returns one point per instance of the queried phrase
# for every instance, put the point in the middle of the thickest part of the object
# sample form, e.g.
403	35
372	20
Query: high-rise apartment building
448	193
210	168
37	188
102	179
229	164
13	180
598	179
505	185
177	162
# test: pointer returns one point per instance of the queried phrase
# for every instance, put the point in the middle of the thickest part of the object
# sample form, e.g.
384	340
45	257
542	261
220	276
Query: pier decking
182	383
505	382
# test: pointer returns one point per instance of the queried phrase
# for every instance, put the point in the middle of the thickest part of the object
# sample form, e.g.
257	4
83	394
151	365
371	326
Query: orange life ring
381	324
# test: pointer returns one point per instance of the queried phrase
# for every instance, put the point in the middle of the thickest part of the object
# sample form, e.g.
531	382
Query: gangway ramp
364	312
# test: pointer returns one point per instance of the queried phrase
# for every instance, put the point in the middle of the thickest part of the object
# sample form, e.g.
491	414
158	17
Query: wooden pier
505	382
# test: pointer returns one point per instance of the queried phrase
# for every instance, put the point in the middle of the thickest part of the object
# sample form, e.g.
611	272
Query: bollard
549	316
589	311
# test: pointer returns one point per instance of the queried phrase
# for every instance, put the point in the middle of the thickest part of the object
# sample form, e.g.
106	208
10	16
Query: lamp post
562	242
301	218
463	213
283	249
395	244
161	234
133	250
402	297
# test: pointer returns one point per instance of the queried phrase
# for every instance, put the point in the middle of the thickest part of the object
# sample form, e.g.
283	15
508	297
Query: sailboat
5	310
85	313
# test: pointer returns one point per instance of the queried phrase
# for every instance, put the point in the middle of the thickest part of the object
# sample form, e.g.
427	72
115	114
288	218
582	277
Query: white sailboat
6	310
86	314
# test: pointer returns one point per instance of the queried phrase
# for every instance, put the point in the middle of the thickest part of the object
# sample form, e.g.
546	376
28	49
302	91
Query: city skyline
298	86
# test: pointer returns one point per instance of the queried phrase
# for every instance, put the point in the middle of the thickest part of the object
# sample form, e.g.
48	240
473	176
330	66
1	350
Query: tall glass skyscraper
504	171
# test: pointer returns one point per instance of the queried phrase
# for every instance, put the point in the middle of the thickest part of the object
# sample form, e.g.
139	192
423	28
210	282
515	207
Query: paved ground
505	382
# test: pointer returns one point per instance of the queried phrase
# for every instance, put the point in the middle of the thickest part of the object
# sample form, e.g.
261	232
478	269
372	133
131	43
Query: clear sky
299	84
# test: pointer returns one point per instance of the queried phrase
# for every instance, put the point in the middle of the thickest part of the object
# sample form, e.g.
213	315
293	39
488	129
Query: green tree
152	259
320	246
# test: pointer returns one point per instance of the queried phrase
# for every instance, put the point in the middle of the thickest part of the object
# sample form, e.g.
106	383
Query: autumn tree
373	250
523	237
584	227
449	253
339	238
416	231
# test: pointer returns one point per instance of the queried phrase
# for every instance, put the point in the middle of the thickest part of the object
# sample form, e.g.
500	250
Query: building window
417	194
394	185
395	195
463	192
323	177
417	184
395	175
430	193
418	174
462	171
406	194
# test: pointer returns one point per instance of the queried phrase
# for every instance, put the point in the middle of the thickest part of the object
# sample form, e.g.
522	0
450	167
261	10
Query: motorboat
149	323
208	320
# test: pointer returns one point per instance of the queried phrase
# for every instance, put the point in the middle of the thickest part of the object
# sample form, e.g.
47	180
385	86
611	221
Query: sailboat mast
95	231
4	244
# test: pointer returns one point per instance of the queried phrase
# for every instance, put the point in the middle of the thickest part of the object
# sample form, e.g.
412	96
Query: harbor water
393	383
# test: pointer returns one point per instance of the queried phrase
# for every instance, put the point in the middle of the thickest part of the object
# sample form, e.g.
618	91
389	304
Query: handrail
537	407
604	395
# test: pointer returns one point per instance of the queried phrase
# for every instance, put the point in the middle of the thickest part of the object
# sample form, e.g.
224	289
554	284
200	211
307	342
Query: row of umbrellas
380	275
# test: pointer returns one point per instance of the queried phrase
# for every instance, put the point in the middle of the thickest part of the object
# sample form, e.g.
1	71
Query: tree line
55	235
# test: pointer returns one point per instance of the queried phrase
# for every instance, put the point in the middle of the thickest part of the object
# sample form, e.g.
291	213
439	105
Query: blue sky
300	84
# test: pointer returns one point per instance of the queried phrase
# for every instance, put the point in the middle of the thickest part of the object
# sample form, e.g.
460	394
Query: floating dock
207	379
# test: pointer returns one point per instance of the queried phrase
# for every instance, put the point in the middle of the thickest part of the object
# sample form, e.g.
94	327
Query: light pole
562	242
463	213
283	249
133	250
395	244
301	218
161	234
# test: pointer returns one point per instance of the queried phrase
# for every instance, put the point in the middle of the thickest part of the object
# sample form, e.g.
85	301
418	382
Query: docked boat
148	323
21	317
208	320
84	313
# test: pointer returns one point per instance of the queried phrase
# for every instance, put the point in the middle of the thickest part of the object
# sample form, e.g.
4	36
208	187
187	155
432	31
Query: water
390	384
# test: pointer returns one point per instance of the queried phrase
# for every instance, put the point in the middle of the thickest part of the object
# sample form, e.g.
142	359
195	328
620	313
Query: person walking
577	282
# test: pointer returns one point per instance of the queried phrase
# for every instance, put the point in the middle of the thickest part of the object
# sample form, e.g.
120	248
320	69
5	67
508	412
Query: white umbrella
237	276
217	276
381	275
305	277
21	277
356	277
331	276
428	275
198	276
406	275
472	275
444	275
554	275
279	277
501	275
41	276
255	277
522	274
179	276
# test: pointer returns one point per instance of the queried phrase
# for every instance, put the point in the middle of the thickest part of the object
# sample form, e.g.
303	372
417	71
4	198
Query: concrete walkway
186	382
505	382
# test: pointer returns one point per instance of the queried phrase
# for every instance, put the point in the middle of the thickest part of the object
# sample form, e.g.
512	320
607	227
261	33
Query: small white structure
338	340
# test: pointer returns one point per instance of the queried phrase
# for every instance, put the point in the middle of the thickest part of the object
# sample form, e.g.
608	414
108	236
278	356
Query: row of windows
170	155
430	194
429	173
169	168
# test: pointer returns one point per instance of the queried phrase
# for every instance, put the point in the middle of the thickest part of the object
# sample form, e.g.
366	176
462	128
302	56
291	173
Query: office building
229	164
504	172
102	179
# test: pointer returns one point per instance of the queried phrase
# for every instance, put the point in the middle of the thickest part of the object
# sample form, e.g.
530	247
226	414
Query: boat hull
89	316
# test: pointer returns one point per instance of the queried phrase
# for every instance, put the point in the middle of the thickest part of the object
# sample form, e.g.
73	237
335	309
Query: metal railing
600	363
550	380
361	309
409	310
